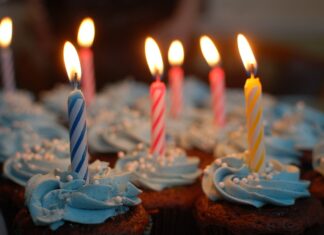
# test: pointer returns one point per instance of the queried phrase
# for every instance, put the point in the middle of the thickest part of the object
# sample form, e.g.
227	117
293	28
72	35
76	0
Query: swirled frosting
39	159
22	134
57	197
230	179
159	172
118	131
303	125
278	148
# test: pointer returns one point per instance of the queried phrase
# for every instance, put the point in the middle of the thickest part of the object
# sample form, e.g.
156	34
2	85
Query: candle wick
74	81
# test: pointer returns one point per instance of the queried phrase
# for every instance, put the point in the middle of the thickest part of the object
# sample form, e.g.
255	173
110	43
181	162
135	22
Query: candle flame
246	53
153	57
176	53
72	62
209	51
86	32
5	32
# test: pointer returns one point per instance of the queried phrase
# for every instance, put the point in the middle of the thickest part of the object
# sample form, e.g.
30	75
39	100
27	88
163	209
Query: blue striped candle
78	134
77	115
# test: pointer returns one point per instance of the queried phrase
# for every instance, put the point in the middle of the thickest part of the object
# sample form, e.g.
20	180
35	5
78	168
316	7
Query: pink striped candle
85	39
216	79
157	95
217	87
175	56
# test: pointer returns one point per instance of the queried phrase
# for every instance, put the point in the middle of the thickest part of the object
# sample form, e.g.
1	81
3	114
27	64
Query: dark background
287	38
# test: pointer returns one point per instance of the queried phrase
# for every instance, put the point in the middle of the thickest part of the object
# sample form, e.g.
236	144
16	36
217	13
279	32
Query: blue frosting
57	197
39	159
278	148
159	172
21	134
230	179
303	125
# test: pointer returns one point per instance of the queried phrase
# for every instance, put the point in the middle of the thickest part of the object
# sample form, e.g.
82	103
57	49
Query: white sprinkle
96	182
259	186
121	154
257	179
221	184
250	177
244	180
118	199
58	177
69	178
224	164
218	162
236	180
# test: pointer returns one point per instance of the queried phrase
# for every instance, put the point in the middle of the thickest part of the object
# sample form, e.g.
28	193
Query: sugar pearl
250	177
121	154
224	164
236	180
118	199
69	178
221	184
269	177
244	180
218	162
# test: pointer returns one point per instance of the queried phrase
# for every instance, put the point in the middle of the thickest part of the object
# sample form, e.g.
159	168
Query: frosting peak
230	179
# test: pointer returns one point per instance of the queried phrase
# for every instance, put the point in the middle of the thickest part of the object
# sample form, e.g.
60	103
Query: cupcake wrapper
173	221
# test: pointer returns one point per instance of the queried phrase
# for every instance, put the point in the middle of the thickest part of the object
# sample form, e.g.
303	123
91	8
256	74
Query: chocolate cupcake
19	168
170	186
274	201
62	203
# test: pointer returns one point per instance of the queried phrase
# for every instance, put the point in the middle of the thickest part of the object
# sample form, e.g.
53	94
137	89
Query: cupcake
170	186
61	203
273	201
19	135
19	168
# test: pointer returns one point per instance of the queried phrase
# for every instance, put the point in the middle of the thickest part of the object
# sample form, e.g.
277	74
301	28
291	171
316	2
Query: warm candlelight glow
5	32
209	51
176	53
86	32
246	53
72	62
153	57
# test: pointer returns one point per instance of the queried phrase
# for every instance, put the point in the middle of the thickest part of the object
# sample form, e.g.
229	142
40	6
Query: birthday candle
85	39
216	80
77	115
157	94
175	56
253	104
8	76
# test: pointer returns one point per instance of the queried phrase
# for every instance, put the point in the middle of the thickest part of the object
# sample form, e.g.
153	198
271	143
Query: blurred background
287	38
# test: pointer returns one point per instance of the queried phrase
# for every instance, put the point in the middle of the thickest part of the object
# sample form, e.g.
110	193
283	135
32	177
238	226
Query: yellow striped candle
253	103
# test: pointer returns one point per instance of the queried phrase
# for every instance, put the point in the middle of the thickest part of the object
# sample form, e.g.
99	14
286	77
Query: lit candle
216	79
175	56
157	94
77	114
85	39
8	75
253	104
